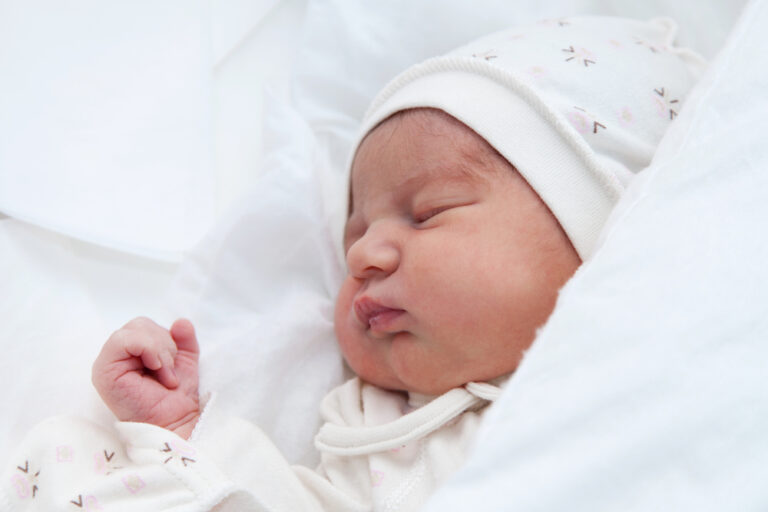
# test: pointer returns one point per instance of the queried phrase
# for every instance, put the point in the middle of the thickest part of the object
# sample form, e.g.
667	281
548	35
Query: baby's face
453	260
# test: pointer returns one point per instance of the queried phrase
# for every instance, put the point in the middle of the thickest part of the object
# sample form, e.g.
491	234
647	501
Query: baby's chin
443	383
437	389
419	385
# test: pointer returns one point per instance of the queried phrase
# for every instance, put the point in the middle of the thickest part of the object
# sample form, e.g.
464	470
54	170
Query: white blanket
641	389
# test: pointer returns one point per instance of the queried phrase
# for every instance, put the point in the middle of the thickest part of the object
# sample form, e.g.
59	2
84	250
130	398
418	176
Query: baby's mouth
375	316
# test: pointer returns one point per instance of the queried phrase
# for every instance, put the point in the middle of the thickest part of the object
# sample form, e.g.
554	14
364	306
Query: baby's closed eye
423	214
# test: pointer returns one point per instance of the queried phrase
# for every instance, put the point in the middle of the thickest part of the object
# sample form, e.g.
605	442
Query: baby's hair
483	156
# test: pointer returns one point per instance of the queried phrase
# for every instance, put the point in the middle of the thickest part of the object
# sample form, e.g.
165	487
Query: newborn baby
479	184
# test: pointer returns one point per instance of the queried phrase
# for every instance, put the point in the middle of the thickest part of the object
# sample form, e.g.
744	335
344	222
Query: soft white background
184	158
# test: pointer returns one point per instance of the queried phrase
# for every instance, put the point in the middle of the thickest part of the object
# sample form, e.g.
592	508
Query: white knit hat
577	105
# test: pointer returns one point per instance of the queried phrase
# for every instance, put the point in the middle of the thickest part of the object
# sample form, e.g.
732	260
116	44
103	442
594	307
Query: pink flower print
181	448
133	483
92	504
25	484
398	449
377	477
583	121
626	117
22	486
65	453
580	54
579	121
89	503
665	105
537	71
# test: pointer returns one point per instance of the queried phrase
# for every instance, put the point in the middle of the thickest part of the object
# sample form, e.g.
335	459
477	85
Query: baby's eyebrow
459	172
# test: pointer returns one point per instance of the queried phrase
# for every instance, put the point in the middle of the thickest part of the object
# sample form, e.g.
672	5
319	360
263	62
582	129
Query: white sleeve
228	465
70	463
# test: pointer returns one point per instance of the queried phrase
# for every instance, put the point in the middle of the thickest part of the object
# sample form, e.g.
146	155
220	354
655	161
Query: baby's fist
148	374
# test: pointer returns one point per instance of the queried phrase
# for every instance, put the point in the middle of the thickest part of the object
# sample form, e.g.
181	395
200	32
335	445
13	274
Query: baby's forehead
470	154
431	122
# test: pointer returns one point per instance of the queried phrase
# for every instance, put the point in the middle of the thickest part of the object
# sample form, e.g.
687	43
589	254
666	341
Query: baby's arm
143	462
149	374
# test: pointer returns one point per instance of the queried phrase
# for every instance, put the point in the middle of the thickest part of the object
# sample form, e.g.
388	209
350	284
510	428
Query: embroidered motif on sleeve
377	477
25	482
88	503
175	451
103	463
133	483
65	453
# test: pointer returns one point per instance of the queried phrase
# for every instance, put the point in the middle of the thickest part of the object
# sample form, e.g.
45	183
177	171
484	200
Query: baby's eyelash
423	217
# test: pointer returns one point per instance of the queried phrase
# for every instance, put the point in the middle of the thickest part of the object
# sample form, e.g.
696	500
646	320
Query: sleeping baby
480	182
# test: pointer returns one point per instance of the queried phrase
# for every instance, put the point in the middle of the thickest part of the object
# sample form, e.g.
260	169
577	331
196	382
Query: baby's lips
386	322
374	315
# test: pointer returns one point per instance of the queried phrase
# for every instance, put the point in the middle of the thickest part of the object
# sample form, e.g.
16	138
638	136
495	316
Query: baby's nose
374	254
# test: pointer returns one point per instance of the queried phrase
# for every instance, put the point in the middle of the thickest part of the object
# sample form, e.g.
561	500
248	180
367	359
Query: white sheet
260	286
99	100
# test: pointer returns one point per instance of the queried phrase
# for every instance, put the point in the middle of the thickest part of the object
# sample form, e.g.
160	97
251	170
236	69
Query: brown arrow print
31	477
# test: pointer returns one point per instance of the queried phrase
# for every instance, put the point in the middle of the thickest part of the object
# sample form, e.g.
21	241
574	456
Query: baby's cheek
349	333
343	308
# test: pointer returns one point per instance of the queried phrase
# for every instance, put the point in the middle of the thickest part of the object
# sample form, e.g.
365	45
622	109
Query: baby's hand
148	374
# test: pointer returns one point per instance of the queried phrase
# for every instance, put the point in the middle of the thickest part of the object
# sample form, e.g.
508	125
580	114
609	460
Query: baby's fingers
183	333
156	354
166	373
141	344
159	360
